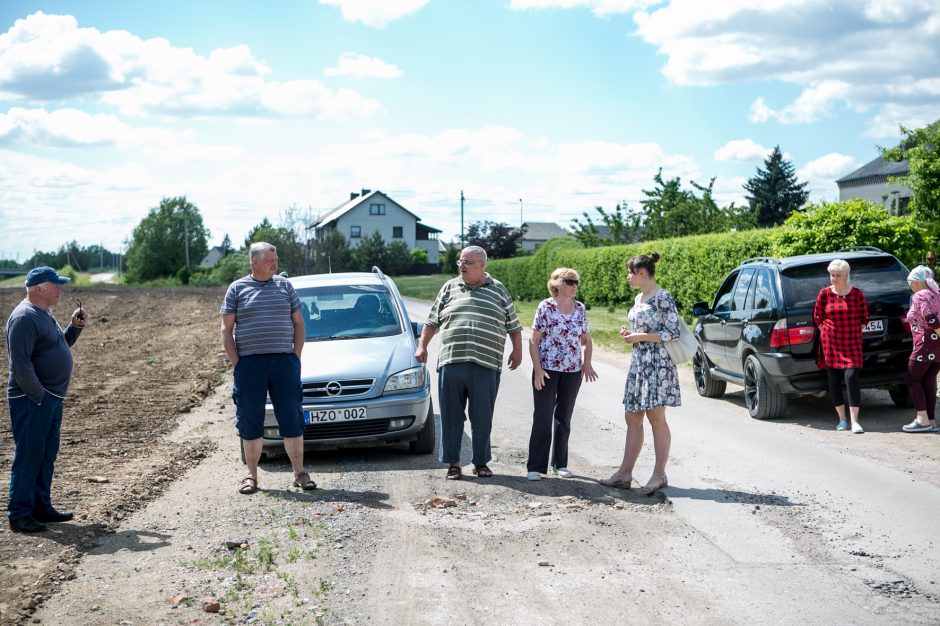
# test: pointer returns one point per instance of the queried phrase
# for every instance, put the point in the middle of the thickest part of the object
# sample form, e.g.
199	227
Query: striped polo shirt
262	314
473	323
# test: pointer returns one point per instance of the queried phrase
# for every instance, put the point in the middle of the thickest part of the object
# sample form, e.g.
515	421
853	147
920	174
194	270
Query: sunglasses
571	282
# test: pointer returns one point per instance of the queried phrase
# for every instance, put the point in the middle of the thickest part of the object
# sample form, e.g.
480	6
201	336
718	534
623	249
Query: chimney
353	195
366	192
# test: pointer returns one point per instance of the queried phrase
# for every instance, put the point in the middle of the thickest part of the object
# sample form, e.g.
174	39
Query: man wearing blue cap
40	369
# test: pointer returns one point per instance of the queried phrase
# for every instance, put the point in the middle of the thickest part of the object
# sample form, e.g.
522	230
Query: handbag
683	348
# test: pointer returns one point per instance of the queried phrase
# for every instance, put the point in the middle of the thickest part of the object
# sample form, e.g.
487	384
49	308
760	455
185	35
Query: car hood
373	357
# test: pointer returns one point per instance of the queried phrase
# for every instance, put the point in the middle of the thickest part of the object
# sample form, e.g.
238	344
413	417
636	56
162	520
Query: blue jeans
36	435
460	385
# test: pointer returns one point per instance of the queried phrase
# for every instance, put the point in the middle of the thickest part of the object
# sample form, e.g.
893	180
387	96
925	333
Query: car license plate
326	416
874	327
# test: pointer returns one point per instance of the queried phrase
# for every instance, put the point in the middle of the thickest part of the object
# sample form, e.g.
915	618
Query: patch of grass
421	287
290	583
267	553
322	587
292	555
292	532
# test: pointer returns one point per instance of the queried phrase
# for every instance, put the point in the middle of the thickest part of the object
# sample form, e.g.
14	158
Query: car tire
424	444
707	386
901	396
763	402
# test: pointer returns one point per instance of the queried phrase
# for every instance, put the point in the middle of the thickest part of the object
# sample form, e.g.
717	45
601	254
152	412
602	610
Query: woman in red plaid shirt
841	313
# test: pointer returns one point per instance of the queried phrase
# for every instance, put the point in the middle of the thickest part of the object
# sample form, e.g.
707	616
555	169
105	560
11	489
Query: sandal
482	471
303	480
616	481
249	485
454	472
655	483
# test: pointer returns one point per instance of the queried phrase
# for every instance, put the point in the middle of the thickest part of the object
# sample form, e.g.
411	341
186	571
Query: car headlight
407	379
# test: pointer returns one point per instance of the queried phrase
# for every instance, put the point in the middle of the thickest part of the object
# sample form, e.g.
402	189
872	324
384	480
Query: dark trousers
36	436
554	404
850	376
472	388
922	384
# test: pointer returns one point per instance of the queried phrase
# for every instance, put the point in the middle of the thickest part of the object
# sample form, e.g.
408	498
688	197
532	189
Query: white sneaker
564	472
857	429
533	476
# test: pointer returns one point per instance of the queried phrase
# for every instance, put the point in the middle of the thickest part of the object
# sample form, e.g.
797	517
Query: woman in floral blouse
559	333
841	313
924	364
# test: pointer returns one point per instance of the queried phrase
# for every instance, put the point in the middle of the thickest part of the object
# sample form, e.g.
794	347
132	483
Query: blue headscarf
924	274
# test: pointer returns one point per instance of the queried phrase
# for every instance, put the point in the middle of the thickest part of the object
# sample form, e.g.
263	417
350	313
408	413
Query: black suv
759	331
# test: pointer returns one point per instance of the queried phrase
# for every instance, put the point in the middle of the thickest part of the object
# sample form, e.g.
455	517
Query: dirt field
146	357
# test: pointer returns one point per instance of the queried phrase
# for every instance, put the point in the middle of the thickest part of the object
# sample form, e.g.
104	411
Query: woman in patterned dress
924	364
559	332
652	381
841	313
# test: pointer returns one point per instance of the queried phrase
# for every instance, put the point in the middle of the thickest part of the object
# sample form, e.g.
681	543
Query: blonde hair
839	265
559	275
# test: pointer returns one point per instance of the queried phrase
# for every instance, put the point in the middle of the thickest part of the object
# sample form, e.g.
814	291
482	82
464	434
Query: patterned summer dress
923	318
840	320
652	380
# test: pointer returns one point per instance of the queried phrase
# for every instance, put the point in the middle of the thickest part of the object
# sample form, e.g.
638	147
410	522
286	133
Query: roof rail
862	249
376	270
764	259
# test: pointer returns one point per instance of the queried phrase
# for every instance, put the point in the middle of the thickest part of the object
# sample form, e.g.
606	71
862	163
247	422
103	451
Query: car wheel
901	396
763	402
424	444
707	386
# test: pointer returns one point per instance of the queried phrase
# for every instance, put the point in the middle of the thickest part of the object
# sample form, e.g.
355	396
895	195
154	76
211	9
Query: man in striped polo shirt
263	310
474	312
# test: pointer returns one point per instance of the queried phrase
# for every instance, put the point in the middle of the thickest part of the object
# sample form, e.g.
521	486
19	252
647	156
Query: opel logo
333	388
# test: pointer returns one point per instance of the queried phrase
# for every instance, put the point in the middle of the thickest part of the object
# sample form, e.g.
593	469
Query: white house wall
875	192
385	224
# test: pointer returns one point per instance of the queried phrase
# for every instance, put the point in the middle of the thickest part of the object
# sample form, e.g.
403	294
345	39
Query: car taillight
783	335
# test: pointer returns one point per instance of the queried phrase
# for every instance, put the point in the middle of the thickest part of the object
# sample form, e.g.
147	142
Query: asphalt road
779	522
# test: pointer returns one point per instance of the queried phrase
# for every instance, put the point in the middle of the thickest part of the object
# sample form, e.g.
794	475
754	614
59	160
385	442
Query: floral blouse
924	317
560	345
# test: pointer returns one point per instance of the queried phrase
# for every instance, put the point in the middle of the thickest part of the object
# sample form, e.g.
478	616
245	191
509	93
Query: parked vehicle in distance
362	385
759	333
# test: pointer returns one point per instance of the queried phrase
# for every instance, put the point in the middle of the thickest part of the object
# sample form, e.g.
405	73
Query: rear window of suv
874	276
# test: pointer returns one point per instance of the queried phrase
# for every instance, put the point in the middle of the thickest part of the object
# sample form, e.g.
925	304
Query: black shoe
53	516
26	525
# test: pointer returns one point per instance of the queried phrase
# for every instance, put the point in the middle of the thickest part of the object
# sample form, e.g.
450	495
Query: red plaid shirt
840	320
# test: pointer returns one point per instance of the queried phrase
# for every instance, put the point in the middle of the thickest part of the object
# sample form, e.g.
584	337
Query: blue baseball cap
44	274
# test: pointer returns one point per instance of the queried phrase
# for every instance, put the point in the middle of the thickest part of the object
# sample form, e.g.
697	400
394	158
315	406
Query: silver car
362	385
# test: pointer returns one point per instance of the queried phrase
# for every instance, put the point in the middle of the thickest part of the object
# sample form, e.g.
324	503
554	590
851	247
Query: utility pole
520	215
186	236
461	219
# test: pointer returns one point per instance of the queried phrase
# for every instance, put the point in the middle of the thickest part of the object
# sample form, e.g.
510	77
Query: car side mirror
416	328
701	308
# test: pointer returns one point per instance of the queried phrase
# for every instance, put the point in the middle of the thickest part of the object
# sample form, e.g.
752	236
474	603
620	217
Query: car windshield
348	312
874	276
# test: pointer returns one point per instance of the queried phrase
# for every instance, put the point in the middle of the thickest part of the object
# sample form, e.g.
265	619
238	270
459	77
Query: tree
290	250
671	211
620	227
921	148
371	252
498	238
332	253
226	246
419	256
774	192
158	244
398	259
448	260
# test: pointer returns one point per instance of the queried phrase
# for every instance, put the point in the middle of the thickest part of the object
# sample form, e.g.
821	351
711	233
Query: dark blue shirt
38	349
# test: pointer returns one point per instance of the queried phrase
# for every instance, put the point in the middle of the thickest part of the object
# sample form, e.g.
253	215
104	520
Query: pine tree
774	192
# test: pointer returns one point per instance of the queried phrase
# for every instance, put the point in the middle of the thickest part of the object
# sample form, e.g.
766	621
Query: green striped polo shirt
473	323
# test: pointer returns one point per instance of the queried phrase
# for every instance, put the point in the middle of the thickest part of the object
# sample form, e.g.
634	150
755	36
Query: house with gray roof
871	182
368	211
534	234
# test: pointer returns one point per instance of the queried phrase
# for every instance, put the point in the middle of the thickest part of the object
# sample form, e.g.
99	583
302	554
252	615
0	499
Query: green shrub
69	271
831	226
231	267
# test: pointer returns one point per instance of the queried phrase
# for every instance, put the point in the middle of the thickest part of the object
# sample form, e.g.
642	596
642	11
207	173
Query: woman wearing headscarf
560	334
841	313
924	364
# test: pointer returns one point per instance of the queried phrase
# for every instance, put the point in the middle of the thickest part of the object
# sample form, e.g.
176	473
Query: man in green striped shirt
474	313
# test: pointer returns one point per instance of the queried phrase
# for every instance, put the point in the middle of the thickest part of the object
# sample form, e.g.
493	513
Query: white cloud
598	7
741	150
48	57
822	173
883	55
362	66
75	128
375	13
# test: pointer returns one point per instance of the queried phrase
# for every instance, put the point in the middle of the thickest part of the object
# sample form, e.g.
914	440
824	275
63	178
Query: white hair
257	250
839	265
476	251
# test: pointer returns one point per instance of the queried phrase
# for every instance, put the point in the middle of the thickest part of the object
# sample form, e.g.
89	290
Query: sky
537	110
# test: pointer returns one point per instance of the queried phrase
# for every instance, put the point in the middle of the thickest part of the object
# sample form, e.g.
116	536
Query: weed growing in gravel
292	532
322	588
267	552
311	555
293	554
290	583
